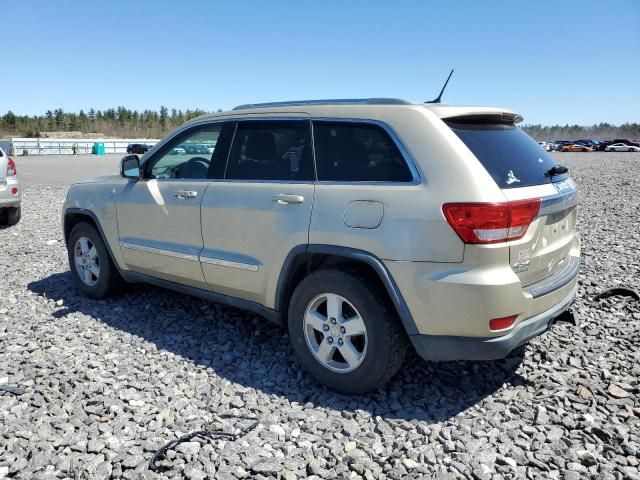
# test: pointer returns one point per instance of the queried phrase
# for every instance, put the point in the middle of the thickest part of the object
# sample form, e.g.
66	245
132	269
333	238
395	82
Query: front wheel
94	273
344	332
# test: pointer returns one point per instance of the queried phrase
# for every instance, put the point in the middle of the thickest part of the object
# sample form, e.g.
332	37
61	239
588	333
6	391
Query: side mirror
130	167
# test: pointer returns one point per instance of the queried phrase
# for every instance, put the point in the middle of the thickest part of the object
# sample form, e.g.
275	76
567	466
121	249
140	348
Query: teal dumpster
98	148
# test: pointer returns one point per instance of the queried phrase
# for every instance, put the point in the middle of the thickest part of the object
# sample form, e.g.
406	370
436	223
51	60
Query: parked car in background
314	227
548	146
621	147
603	144
593	144
626	141
202	149
561	143
575	147
190	148
10	191
138	148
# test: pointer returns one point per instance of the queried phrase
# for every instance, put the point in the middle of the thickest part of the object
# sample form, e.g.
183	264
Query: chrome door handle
284	199
184	194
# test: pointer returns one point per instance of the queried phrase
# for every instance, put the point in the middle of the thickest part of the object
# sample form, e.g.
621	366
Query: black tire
387	342
10	215
109	280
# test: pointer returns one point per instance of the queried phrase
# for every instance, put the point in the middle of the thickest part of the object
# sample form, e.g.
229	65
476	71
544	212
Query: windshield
510	156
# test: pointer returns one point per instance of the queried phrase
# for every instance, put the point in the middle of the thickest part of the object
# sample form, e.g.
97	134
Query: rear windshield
510	156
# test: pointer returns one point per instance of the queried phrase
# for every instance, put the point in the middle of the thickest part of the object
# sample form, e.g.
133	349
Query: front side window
190	155
271	150
355	152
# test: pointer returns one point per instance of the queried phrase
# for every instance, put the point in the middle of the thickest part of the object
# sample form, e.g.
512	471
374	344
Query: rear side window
271	150
510	156
354	152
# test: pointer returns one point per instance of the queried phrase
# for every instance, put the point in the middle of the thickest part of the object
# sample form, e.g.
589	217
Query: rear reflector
502	323
481	223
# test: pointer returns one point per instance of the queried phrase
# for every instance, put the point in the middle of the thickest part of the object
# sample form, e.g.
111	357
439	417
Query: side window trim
210	176
226	163
404	152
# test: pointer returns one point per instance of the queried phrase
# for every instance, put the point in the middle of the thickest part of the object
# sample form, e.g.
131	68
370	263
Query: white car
10	191
621	147
547	146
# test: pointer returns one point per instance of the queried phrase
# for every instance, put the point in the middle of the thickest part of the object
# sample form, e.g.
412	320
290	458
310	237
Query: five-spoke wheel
86	261
335	332
91	266
344	331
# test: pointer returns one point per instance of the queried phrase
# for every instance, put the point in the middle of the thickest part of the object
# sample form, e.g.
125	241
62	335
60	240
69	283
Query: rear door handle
285	199
184	194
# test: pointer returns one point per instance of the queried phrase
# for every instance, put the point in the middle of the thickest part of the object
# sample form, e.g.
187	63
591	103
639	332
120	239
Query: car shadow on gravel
252	352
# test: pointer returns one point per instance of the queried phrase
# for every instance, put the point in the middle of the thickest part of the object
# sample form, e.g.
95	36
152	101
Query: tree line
123	122
112	122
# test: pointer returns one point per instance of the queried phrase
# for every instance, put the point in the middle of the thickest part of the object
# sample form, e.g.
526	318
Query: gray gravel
109	382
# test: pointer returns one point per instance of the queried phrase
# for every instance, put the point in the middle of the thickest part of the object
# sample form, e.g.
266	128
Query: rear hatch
523	170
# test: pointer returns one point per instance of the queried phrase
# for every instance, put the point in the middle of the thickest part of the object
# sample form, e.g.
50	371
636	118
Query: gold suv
364	226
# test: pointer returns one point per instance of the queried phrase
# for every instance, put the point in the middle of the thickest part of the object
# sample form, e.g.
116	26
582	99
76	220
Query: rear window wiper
556	170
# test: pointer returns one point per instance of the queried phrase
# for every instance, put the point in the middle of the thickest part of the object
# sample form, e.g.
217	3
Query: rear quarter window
510	156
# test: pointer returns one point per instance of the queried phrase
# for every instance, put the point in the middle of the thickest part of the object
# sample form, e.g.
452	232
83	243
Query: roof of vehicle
358	107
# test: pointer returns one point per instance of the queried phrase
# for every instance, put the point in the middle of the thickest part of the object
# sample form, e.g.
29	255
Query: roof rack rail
339	101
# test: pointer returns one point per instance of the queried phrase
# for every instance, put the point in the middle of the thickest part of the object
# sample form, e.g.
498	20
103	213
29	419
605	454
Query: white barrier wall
64	146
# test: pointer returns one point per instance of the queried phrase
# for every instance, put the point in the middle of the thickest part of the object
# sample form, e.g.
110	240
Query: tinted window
354	152
196	154
510	156
271	150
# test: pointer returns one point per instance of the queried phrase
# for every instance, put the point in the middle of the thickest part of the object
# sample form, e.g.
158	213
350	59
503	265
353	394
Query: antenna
439	98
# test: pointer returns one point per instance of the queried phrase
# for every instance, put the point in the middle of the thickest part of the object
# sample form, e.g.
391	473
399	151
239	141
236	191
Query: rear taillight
11	168
481	223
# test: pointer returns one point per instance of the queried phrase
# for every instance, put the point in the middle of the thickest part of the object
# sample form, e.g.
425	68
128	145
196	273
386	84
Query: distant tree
9	120
163	117
59	118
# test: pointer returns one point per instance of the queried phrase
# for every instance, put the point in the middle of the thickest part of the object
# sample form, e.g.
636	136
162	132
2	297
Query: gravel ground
106	383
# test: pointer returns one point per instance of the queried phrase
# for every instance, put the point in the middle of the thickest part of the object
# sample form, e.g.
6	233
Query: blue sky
552	61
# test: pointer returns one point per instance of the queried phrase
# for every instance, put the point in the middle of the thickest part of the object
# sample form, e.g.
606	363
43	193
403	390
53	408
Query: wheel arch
305	259
73	216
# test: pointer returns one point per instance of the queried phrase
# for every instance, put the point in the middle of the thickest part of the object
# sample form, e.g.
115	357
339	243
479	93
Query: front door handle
184	194
285	199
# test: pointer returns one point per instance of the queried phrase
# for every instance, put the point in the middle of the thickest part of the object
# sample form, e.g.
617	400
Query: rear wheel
344	332
10	216
94	273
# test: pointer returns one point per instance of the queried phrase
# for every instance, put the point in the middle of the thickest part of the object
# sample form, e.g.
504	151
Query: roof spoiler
504	118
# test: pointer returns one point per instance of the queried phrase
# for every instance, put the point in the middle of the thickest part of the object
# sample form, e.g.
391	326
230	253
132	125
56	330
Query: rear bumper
447	348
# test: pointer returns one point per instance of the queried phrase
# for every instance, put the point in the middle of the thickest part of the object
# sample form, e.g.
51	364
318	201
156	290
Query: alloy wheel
86	260
335	333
